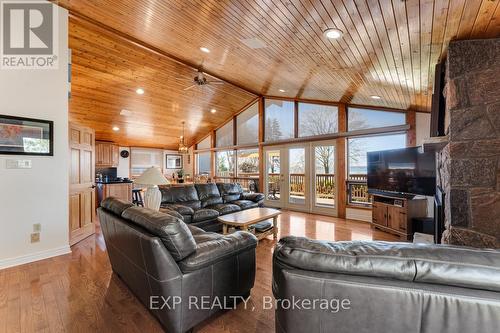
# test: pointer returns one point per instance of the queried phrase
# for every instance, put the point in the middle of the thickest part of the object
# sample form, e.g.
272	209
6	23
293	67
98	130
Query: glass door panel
324	178
297	175
273	176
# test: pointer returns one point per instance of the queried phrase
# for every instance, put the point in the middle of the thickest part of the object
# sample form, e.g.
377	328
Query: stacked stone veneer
469	165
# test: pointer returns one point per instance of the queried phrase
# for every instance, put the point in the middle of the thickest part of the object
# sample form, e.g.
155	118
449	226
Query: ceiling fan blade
190	87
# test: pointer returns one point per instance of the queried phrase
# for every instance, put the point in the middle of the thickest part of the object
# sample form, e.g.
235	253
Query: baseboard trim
26	259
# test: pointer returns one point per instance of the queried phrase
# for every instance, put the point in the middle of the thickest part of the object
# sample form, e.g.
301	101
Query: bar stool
137	197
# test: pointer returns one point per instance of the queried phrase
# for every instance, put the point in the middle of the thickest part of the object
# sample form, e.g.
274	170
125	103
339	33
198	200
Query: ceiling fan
201	80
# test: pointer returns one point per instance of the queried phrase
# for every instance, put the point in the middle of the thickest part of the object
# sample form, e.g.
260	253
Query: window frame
236	117
294	125
350	182
375	109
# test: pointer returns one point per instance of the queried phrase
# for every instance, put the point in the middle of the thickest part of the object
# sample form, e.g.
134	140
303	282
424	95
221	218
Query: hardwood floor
78	292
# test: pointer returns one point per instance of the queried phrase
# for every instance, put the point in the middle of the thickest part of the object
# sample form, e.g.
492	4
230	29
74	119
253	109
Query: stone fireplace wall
469	165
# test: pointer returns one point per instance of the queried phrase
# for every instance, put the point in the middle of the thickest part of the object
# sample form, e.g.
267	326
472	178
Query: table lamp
152	177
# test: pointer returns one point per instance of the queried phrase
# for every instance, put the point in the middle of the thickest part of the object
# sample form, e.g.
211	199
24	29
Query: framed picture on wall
173	161
26	136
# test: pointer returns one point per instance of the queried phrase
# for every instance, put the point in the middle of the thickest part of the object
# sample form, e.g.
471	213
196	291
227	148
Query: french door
301	177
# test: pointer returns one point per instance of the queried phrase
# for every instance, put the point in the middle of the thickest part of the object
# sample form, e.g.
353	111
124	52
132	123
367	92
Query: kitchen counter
114	182
113	188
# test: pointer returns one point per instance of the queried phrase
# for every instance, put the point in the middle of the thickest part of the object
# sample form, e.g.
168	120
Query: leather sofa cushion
171	212
211	251
208	194
205	214
245	204
438	264
115	206
181	209
230	191
172	231
225	208
255	197
184	195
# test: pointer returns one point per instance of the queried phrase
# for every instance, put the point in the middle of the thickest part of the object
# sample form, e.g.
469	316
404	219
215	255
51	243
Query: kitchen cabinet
106	154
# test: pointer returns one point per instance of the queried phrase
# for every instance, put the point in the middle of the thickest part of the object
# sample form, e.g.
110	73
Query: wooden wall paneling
341	163
212	155
262	158
411	134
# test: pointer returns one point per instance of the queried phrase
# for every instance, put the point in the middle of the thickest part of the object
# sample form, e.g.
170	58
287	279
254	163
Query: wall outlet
35	237
37	227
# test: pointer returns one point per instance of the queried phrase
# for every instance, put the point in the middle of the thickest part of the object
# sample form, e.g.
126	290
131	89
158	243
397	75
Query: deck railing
357	190
325	185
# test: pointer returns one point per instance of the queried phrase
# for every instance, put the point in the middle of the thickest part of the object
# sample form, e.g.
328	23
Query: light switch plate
18	164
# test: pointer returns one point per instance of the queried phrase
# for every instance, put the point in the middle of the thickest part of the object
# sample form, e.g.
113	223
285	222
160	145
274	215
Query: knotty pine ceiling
389	48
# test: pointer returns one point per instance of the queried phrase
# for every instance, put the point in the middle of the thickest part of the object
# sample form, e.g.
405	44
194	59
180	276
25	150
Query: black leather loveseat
175	269
201	204
385	287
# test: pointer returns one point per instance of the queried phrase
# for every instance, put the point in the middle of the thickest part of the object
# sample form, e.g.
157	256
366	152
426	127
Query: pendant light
183	149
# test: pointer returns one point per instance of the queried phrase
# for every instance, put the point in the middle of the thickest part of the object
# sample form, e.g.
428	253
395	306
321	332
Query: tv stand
395	214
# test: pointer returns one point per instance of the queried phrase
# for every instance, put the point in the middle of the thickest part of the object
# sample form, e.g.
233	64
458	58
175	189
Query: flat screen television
407	171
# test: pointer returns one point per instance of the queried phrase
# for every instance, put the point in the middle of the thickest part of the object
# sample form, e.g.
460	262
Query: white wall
423	127
40	194
123	169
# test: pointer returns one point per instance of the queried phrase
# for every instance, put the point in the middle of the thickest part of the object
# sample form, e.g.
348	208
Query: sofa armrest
181	209
213	251
255	197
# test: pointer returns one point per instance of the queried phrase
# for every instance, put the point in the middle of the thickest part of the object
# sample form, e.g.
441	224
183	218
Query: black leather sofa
159	258
390	287
201	204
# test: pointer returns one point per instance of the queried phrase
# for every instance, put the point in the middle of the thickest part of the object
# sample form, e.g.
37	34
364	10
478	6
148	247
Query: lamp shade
152	176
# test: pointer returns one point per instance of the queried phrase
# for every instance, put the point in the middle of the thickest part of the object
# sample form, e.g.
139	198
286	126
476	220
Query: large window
248	163
358	119
247	125
224	135
316	119
280	119
203	166
224	163
205	143
357	149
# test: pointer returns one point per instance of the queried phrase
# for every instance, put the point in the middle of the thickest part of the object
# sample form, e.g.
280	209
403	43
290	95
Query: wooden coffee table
245	218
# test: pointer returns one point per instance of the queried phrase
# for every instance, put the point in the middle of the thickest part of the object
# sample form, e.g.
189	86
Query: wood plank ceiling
389	48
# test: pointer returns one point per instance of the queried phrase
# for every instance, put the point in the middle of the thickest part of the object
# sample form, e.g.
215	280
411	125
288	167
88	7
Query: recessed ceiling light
282	90
204	49
125	112
140	91
332	33
213	110
375	97
116	128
